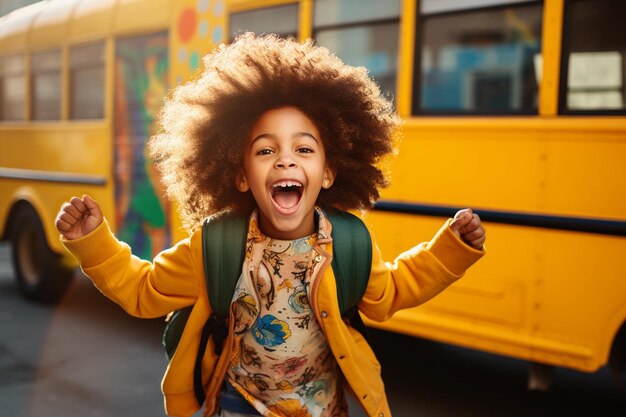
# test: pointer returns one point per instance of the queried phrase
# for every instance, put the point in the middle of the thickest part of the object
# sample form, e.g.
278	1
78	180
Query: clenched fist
468	227
79	217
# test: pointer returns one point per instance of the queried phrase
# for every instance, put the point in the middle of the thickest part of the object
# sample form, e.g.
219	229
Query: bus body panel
59	161
521	294
91	19
530	164
14	30
519	300
142	15
48	24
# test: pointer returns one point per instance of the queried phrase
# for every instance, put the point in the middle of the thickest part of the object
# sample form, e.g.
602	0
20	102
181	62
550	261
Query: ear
329	178
241	183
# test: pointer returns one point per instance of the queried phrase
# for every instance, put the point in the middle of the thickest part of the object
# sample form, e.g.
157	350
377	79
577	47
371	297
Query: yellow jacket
175	279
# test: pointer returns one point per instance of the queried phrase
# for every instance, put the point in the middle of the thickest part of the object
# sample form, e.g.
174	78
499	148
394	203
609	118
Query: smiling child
281	132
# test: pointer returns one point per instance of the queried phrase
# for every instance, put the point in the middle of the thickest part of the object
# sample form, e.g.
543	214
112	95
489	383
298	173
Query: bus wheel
617	358
38	270
540	377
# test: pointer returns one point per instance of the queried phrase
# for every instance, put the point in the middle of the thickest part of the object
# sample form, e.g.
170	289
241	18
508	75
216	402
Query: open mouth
286	194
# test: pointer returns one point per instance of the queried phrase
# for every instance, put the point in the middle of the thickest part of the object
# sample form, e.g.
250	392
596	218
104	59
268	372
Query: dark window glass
483	61
373	46
362	33
12	88
343	12
281	20
594	56
46	85
87	81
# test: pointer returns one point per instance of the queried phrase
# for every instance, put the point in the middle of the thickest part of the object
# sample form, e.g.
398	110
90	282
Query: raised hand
79	217
467	226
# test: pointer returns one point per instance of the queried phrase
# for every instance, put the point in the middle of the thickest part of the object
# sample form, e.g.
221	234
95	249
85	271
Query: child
281	131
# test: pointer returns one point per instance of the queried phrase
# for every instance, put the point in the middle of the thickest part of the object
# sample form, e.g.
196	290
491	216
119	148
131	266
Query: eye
264	151
305	149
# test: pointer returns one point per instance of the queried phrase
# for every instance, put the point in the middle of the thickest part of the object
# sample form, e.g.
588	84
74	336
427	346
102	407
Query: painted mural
142	212
198	27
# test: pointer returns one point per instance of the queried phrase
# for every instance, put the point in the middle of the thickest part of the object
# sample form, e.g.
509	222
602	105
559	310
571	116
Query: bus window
87	81
12	88
362	33
46	85
281	20
477	61
594	55
342	12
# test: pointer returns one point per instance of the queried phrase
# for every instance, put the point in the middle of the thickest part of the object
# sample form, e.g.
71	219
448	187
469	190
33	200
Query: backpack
223	250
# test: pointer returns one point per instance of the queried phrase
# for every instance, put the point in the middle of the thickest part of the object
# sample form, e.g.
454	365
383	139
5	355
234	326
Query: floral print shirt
282	363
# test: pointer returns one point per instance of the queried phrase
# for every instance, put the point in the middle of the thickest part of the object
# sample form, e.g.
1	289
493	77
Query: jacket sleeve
142	288
416	275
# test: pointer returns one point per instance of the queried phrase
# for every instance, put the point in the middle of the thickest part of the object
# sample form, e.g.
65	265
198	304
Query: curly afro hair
206	123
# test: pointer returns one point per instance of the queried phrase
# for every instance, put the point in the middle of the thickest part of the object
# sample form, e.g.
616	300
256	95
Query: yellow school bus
81	84
514	108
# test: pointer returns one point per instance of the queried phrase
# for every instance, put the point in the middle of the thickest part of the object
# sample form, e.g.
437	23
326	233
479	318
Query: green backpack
223	251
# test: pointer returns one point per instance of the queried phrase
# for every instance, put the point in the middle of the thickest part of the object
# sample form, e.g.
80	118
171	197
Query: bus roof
55	22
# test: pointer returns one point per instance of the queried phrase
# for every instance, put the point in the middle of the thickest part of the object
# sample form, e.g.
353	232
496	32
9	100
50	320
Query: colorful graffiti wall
142	212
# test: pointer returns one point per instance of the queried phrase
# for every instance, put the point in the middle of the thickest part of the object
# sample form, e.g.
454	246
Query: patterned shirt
282	363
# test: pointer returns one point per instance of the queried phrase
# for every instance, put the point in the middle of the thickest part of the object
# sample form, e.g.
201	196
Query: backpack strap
223	250
352	260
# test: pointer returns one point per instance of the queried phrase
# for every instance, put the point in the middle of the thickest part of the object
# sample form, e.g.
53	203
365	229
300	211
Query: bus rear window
594	55
477	61
12	88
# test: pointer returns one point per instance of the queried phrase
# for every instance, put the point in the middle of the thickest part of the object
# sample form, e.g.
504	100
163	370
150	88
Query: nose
285	165
285	160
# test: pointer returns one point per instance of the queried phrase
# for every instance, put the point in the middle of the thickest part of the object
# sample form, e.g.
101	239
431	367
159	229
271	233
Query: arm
142	288
424	271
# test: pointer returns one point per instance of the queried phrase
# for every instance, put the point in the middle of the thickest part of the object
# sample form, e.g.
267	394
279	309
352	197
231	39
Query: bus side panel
490	293
480	163
475	164
585	163
539	294
582	275
60	162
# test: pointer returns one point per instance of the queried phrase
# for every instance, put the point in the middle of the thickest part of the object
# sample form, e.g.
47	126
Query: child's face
284	166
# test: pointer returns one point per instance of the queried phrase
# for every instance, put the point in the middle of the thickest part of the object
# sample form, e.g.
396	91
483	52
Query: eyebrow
294	136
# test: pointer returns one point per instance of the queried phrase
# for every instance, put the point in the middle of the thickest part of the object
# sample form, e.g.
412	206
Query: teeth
287	184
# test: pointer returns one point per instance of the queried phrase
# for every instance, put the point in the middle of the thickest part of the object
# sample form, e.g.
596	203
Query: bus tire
617	358
38	270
